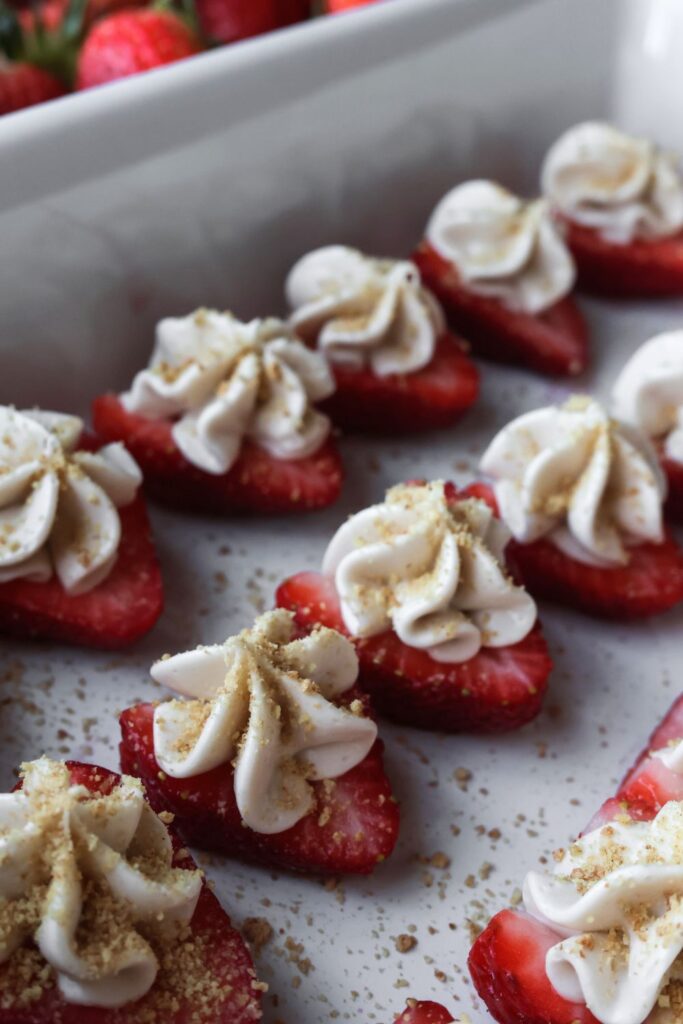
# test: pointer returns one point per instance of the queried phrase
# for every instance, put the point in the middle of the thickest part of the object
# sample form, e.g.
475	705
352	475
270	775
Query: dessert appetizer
424	1012
582	495
395	364
222	420
105	920
77	562
272	757
503	273
620	200
445	638
649	395
600	936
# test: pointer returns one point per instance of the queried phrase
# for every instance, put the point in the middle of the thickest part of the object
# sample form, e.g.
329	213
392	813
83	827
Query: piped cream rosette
264	702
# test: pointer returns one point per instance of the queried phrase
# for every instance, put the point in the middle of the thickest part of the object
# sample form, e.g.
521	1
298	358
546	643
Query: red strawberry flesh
129	42
651	582
674	502
497	690
337	6
23	85
554	342
507	961
428	399
639	269
257	483
226	21
425	1013
353	827
114	614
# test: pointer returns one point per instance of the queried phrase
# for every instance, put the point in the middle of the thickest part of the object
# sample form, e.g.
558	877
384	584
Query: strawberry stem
183	9
53	49
74	21
11	38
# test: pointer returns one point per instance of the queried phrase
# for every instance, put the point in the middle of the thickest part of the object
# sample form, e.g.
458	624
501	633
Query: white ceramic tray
199	184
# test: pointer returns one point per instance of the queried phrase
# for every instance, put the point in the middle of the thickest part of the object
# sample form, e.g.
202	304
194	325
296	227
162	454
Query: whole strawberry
129	42
23	85
49	16
225	21
337	6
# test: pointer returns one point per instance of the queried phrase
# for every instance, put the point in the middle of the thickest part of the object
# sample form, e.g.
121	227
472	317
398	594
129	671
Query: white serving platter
199	184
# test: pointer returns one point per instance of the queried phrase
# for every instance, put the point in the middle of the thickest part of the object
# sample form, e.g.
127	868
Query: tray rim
82	136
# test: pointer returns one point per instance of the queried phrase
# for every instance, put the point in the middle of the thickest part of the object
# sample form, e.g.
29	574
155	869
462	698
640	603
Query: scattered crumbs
404	943
258	932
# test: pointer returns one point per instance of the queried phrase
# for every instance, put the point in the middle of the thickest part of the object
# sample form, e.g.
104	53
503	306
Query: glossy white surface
209	199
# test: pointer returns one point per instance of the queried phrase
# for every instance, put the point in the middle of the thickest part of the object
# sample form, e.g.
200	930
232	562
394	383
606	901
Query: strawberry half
638	269
114	614
555	342
257	482
424	1013
507	964
651	583
497	690
673	508
507	961
226	979
433	397
650	783
353	828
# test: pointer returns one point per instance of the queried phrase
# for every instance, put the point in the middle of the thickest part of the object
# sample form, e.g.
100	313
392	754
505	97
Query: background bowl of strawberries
52	47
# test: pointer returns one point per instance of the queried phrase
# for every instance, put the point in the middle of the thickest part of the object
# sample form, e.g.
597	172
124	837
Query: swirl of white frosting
264	701
360	309
626	188
617	896
648	392
224	381
80	872
430	570
570	474
502	247
58	506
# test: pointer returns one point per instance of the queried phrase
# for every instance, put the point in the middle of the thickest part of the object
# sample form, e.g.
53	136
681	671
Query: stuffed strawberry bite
599	937
446	639
105	918
271	754
648	393
620	200
504	275
77	561
583	496
224	418
397	367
